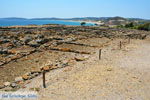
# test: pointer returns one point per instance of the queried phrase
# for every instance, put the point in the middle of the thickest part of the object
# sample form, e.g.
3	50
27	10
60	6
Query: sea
15	22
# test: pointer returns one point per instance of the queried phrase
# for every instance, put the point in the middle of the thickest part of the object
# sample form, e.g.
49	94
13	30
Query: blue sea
14	22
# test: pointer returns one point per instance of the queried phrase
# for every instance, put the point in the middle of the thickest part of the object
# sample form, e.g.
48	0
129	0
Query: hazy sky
74	8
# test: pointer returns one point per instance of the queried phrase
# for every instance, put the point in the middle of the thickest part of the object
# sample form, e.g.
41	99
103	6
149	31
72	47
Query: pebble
109	69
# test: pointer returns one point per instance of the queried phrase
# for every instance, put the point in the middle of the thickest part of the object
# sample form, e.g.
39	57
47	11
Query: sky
75	8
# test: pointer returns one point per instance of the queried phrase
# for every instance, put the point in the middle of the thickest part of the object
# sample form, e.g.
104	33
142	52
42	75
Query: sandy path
120	75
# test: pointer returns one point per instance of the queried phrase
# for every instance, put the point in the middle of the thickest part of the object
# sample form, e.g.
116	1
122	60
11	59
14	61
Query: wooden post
100	53
44	84
120	44
129	40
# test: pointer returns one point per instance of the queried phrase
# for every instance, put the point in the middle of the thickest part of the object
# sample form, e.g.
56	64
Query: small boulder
28	32
33	44
45	68
13	85
27	39
148	37
65	63
4	51
1	63
35	74
18	79
4	41
25	77
79	59
28	73
39	36
6	83
41	41
2	87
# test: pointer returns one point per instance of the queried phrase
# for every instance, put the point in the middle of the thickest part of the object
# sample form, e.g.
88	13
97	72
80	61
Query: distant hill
117	18
105	20
14	18
84	18
135	19
46	19
79	18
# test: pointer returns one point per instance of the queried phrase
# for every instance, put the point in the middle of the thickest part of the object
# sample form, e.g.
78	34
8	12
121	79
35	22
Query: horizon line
75	17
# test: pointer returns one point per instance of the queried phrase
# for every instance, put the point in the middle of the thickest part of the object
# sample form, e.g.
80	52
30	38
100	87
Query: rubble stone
4	51
41	41
6	83
45	68
33	44
25	77
13	85
27	39
39	36
17	79
79	59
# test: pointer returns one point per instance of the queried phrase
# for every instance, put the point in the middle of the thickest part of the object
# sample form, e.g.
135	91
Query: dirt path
120	75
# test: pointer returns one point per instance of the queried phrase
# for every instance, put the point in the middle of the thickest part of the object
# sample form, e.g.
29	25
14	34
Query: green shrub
83	23
130	25
145	27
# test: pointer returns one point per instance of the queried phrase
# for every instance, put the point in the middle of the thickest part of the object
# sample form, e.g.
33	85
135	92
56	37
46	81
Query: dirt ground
35	61
121	74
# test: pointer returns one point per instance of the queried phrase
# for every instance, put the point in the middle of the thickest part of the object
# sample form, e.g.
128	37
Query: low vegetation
83	23
145	26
